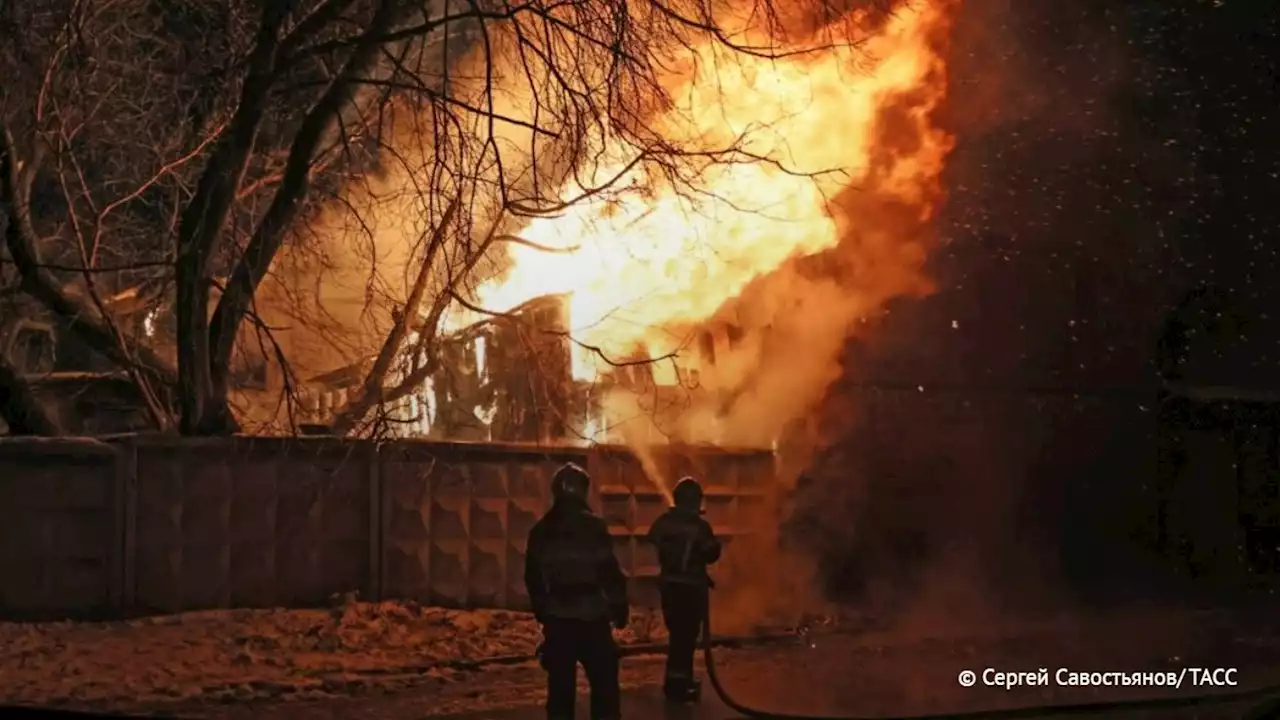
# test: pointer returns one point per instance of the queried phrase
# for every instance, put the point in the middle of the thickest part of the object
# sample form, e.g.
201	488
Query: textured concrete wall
61	529
455	517
160	525
736	485
152	525
248	522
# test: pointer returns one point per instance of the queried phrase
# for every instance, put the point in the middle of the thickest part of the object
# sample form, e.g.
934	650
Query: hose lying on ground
1268	699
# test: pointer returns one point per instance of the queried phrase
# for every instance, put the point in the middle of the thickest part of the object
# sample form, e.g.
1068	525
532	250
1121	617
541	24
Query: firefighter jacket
570	570
685	545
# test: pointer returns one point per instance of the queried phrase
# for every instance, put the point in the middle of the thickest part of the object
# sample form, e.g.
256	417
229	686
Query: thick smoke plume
946	496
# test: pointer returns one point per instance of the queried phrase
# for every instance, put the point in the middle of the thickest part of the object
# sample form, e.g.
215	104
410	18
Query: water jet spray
648	465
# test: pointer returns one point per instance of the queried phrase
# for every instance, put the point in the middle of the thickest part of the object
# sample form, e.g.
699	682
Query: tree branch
371	391
20	239
204	219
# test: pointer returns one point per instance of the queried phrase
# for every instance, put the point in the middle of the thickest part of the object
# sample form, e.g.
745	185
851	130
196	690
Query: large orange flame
645	262
642	265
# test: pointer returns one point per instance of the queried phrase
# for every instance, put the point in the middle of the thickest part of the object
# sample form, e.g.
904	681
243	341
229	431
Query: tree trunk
193	347
270	232
202	224
20	408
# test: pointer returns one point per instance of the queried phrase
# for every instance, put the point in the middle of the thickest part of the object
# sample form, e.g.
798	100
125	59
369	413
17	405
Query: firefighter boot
682	690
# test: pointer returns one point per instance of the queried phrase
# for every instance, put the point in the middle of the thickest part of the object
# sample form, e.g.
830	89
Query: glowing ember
654	260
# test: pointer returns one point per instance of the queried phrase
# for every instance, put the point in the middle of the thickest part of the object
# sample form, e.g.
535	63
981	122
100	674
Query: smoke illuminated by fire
640	266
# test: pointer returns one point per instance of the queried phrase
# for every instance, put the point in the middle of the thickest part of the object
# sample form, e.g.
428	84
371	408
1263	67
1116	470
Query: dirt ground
243	654
397	660
857	676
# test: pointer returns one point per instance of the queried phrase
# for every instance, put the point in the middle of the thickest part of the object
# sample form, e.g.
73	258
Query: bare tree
153	148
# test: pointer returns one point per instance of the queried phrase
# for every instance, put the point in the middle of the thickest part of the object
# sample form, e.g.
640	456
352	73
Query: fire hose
1266	701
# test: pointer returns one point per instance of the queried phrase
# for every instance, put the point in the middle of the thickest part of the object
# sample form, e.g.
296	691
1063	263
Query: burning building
511	379
673	309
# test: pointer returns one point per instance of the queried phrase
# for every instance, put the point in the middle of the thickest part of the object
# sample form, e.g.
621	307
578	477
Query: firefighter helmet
570	481
688	494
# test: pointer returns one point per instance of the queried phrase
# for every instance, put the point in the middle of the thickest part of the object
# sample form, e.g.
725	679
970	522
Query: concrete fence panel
631	497
61	529
629	502
145	524
249	522
455	518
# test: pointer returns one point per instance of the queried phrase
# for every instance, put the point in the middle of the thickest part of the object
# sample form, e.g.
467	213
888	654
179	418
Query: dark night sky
1111	155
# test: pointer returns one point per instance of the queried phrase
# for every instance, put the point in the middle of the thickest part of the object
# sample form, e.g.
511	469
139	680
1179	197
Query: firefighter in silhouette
577	591
685	545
